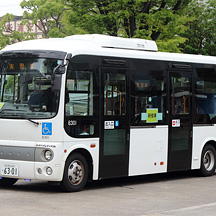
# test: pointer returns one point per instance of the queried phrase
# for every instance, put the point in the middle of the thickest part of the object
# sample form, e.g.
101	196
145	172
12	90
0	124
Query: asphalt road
153	195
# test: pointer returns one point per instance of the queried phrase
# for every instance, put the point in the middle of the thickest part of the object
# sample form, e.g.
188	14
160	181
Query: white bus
90	107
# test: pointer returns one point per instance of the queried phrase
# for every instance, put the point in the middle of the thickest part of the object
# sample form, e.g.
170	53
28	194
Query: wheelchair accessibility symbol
46	128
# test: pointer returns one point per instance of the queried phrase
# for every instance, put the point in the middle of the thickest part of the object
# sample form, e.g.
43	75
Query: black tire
7	182
75	173
208	161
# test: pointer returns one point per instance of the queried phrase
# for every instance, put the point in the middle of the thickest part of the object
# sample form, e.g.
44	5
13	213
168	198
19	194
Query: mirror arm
57	74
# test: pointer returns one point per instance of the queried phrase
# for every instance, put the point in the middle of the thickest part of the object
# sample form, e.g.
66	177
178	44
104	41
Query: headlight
48	155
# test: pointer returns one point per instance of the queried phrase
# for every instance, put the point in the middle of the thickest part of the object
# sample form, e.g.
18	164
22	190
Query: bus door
180	121
114	123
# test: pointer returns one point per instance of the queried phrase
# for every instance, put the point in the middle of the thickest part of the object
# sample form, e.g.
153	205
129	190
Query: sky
10	6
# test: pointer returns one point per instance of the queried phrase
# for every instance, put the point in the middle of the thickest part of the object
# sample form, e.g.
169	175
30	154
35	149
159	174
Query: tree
201	35
47	15
150	19
8	35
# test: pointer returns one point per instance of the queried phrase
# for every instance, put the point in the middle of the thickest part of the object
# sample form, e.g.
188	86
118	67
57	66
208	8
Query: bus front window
26	88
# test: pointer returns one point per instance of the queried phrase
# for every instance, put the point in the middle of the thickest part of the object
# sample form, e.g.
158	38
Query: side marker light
92	146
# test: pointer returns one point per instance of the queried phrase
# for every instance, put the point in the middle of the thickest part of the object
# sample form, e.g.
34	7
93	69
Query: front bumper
29	162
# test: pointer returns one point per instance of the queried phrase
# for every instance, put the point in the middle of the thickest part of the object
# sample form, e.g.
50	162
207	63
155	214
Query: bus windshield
26	88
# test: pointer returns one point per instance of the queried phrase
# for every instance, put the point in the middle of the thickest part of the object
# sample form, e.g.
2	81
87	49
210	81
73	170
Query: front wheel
75	173
208	161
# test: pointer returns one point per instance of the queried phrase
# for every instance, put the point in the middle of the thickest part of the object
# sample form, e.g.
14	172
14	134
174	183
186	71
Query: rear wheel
75	173
208	161
6	182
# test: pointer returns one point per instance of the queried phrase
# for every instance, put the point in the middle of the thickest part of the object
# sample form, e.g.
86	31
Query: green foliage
176	25
51	17
10	82
150	19
170	45
8	35
201	35
47	15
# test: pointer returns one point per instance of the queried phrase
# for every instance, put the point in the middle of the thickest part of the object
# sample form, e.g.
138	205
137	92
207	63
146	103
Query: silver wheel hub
209	160
75	172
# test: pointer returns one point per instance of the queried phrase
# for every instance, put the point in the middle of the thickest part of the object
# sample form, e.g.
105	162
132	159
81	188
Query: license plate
9	170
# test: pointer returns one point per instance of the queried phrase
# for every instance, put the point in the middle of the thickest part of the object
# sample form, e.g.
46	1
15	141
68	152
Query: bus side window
114	94
180	88
81	102
148	97
205	96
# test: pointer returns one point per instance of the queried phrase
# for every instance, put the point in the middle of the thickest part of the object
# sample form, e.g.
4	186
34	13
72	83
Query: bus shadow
34	186
127	182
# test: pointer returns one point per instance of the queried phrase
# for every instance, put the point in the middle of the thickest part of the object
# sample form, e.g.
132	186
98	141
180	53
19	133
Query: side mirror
57	76
56	82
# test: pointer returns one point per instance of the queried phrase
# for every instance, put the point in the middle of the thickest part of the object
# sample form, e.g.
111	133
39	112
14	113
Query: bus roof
103	45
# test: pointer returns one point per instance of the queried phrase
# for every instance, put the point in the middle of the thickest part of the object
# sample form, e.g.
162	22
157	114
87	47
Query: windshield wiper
34	122
30	120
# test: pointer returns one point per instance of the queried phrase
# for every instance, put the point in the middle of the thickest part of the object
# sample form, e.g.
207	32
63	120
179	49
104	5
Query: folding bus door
114	129
180	122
